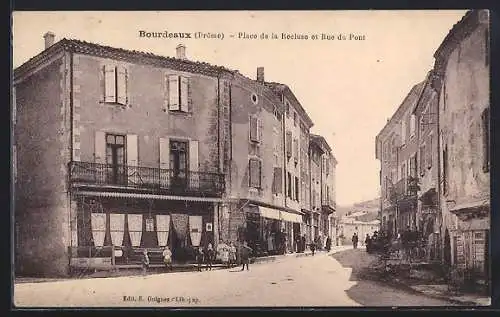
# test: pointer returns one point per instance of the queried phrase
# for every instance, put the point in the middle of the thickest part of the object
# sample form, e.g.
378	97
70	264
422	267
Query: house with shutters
462	84
116	151
260	206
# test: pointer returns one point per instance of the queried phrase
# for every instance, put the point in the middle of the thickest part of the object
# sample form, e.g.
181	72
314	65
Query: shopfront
117	229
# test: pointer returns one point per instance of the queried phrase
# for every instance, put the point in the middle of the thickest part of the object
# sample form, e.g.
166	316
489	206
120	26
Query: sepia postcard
250	159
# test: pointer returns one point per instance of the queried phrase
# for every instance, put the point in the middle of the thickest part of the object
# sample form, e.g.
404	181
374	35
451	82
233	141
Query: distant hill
363	211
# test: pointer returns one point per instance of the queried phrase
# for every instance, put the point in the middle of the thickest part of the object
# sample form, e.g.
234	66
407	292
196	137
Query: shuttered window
255	173
115	84
178	88
254	129
297	188
429	152
422	160
277	181
289	144
296	150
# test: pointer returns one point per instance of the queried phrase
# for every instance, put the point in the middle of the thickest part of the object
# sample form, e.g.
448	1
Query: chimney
49	39
260	74
181	51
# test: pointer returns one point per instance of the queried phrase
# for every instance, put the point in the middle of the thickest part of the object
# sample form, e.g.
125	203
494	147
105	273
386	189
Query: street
321	280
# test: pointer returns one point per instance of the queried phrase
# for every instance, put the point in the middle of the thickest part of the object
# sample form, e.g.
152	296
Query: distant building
361	218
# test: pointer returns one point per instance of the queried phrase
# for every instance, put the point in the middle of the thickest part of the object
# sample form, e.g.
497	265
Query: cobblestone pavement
318	280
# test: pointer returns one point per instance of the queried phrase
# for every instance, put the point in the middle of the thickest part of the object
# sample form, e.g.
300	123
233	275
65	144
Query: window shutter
253	129
164	153
184	93
173	92
254	173
122	85
296	149
109	83
429	153
132	152
278	180
132	158
288	144
259	129
403	131
100	147
194	164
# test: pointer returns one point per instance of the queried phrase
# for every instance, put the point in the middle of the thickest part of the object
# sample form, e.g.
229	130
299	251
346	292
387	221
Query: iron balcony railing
155	179
405	188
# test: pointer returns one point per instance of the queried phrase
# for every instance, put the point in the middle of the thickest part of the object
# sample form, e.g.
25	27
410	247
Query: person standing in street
328	244
313	246
368	243
167	258
145	262
355	240
199	258
209	256
245	255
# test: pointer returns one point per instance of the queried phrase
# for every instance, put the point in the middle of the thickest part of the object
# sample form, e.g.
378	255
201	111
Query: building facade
426	170
133	151
396	148
462	84
123	170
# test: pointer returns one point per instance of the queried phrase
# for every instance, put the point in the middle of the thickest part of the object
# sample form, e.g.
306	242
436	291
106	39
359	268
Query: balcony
404	190
328	205
146	179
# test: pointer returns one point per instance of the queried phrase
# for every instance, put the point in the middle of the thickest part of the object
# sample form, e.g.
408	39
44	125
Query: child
199	258
167	258
145	261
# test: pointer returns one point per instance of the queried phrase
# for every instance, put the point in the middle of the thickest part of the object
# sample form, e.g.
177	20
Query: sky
349	87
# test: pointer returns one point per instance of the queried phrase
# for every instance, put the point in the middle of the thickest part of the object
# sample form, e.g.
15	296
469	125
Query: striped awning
147	196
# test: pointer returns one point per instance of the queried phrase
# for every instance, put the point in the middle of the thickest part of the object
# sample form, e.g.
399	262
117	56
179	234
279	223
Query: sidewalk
132	270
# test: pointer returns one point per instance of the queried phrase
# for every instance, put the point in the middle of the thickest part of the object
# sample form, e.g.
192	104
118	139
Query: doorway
115	159
178	164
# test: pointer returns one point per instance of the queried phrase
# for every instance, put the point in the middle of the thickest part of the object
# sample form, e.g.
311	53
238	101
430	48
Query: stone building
429	213
396	148
125	153
462	64
296	125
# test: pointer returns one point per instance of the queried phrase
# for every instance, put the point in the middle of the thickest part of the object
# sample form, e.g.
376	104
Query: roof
411	98
460	31
321	141
83	47
280	88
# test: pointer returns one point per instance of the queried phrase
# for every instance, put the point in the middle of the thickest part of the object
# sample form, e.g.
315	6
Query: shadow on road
369	290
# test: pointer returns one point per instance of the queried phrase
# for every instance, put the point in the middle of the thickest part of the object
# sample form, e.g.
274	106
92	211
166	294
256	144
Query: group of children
227	253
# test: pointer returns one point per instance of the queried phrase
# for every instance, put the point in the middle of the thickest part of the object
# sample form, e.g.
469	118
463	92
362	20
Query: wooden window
403	130
255	173
479	250
289	185
413	166
485	119
178	93
445	169
296	150
115	84
294	119
289	144
277	181
412	125
429	153
254	129
422	160
297	188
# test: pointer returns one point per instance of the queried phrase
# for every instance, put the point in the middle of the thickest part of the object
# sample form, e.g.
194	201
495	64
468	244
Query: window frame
259	178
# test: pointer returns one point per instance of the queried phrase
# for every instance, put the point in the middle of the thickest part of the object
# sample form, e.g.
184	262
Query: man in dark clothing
245	255
368	243
355	240
328	244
